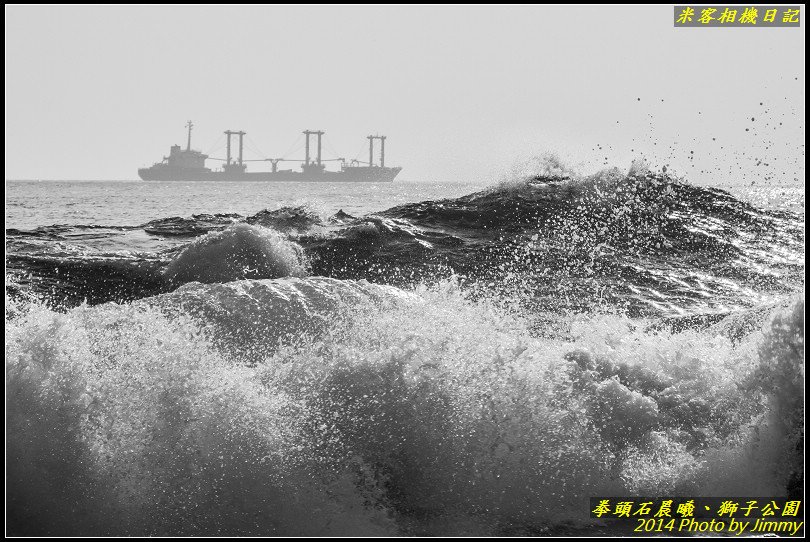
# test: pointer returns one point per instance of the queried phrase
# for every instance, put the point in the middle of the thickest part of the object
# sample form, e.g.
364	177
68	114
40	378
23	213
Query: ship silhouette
189	165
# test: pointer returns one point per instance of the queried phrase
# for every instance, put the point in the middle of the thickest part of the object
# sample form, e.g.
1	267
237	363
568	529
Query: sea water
409	358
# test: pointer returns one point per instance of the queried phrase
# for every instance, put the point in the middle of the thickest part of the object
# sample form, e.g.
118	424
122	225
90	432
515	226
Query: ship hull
349	175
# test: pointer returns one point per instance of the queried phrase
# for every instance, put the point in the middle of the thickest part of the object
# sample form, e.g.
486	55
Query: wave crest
238	252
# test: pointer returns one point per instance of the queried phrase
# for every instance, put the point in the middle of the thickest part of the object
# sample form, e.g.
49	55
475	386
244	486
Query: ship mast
371	139
319	134
382	151
230	133
190	125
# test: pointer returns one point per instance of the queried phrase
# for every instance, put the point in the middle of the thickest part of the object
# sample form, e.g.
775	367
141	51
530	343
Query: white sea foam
406	414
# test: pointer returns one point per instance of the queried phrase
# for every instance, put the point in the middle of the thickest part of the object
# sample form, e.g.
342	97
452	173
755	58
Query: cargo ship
189	165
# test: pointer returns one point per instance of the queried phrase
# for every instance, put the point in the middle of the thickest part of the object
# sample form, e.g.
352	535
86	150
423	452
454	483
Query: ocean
398	359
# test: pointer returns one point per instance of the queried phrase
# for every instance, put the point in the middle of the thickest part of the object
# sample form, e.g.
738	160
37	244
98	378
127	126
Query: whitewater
479	363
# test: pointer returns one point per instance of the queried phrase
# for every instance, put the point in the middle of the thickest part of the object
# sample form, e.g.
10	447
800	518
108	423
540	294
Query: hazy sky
462	92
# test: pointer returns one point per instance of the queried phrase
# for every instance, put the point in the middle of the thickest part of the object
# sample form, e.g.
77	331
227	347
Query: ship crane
319	135
371	139
274	161
241	135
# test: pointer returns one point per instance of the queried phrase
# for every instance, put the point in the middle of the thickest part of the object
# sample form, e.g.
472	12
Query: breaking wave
241	251
420	413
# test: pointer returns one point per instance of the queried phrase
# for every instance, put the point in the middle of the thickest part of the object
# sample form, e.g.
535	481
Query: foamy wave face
459	412
441	416
542	166
239	252
121	421
250	319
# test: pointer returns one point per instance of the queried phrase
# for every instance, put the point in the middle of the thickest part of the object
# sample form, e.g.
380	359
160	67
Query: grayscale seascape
586	280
